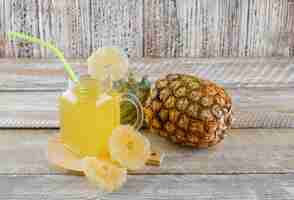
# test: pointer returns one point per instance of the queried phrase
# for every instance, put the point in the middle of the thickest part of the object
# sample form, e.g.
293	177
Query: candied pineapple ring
129	148
104	174
108	62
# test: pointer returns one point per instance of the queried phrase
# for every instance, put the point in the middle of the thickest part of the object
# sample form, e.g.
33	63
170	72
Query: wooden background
159	28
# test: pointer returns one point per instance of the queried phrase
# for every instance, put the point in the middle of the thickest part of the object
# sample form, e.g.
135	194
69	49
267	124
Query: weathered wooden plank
267	33
290	27
77	31
34	75
243	151
161	30
21	16
230	72
217	28
198	28
52	25
257	86
117	23
253	108
257	187
2	28
77	27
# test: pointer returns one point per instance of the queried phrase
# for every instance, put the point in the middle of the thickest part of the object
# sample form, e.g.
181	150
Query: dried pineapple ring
108	62
129	148
104	174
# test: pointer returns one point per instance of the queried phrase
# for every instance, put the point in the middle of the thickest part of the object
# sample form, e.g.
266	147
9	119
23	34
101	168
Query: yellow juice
87	120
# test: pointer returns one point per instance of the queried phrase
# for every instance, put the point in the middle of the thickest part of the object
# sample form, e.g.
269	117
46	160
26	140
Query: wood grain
231	72
217	28
261	88
248	164
34	74
2	28
253	108
158	28
77	27
243	151
290	27
117	23
226	187
21	16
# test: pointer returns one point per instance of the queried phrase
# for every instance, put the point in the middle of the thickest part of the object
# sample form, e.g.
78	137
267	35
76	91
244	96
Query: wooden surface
160	28
278	72
188	187
261	88
77	26
253	164
244	151
253	108
204	28
250	164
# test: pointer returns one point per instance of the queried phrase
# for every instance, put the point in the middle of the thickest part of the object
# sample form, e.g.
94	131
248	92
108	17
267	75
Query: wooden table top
255	161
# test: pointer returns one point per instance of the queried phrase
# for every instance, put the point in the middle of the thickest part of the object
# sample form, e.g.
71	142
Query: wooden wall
159	28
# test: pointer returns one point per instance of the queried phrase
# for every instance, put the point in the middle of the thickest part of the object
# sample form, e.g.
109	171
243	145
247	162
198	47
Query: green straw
47	45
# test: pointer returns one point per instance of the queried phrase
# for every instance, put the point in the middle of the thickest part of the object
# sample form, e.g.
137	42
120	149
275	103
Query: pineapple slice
129	148
108	62
104	174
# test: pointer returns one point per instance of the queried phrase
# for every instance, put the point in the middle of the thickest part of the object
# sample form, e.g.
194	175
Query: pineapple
139	88
188	110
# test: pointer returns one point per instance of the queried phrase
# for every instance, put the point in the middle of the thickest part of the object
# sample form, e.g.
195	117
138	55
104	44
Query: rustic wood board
253	108
162	28
248	164
77	27
254	151
209	28
188	187
261	88
245	99
26	74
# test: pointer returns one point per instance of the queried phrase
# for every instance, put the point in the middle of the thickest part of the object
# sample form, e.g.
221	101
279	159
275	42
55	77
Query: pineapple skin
189	111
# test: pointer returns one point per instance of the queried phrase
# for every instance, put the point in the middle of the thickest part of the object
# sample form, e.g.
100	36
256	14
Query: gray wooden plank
118	23
52	25
34	74
257	85
290	27
243	151
22	16
77	27
226	187
253	108
205	28
231	72
2	28
198	28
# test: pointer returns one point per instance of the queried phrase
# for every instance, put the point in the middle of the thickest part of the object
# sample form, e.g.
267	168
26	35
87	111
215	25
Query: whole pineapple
188	110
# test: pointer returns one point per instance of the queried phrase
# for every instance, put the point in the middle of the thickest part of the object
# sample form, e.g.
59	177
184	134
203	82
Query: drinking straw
58	53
